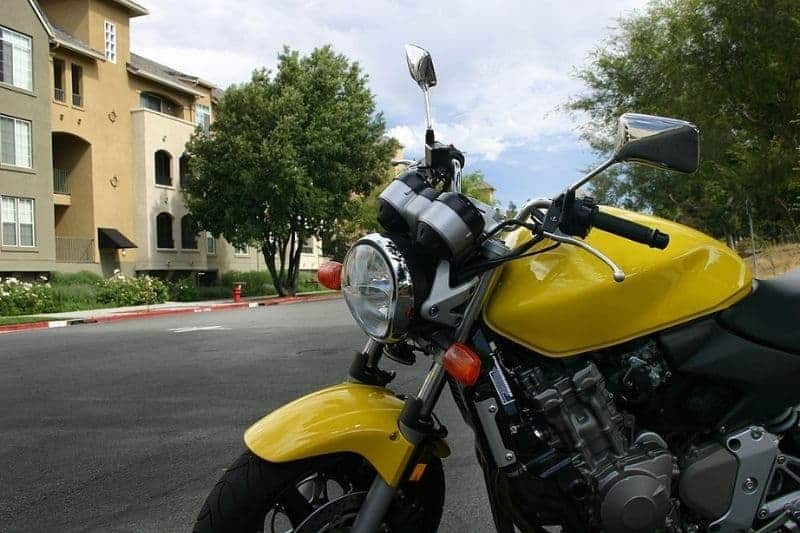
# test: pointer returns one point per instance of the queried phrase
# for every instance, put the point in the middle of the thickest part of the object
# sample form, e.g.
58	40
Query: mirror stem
592	174
428	121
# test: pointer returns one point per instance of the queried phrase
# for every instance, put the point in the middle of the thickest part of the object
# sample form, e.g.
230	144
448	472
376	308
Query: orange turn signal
330	275
462	363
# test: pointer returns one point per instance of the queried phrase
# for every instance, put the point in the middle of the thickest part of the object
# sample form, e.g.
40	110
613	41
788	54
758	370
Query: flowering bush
24	298
119	290
20	298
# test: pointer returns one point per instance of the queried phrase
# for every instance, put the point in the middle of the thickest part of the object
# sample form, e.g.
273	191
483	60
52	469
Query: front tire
254	495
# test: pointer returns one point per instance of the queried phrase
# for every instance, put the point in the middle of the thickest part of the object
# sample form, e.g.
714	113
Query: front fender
349	417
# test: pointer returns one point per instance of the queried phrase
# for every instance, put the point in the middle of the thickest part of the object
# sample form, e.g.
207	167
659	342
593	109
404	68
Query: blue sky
504	68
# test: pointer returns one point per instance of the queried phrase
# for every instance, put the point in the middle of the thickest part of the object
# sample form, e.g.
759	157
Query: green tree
474	185
733	68
287	156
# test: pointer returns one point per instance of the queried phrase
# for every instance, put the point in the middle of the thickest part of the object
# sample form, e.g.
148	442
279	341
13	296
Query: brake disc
336	516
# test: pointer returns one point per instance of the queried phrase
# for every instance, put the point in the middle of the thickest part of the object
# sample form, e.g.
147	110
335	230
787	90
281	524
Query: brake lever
619	274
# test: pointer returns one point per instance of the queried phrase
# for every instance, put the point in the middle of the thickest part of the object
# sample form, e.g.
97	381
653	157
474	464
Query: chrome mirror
658	141
420	65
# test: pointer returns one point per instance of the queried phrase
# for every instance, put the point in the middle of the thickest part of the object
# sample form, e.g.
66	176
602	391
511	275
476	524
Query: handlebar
630	230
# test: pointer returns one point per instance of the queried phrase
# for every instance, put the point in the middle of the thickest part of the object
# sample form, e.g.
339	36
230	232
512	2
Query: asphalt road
127	426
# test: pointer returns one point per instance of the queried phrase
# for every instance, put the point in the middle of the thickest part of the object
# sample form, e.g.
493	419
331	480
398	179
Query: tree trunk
269	252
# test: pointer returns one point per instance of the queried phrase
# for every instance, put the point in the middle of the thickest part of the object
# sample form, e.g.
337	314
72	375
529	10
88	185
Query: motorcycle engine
628	477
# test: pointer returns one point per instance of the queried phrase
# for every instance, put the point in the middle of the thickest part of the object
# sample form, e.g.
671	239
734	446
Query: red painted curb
134	315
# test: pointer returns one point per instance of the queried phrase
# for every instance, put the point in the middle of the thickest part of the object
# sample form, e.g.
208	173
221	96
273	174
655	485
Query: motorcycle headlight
377	286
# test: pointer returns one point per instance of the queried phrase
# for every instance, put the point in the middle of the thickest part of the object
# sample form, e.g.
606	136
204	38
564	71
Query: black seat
770	315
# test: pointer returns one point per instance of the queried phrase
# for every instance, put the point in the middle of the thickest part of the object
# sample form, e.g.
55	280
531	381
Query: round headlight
377	286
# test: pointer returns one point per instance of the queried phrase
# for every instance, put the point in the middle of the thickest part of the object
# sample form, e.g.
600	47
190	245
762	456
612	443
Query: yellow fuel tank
564	302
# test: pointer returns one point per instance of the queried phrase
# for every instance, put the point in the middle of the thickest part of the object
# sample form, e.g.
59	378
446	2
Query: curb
137	315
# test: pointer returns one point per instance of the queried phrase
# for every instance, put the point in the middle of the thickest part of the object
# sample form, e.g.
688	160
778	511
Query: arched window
183	164
164	231
188	233
163	168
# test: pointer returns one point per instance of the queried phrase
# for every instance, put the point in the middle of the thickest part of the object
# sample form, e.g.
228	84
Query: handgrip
630	230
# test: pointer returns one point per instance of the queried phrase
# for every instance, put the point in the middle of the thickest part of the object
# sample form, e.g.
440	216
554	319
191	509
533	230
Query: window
15	142
16	215
77	85
211	243
164	231
202	116
111	41
153	102
183	169
163	168
241	250
58	80
188	233
16	61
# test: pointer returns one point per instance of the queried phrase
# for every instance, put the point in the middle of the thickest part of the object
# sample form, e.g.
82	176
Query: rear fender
349	417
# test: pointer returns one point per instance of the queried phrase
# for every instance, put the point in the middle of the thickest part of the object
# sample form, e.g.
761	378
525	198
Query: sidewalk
114	314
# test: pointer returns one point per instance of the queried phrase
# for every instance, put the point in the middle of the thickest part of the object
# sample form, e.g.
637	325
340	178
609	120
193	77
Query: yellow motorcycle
621	372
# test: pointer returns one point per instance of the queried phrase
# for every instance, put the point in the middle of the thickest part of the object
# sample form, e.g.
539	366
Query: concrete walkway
110	311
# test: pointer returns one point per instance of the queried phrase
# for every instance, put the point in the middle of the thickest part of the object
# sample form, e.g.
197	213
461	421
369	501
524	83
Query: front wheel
318	494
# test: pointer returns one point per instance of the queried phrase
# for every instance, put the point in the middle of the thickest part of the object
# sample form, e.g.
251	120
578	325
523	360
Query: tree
286	157
731	67
474	185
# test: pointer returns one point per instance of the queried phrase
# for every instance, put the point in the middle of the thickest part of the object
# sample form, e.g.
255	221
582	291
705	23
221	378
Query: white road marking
57	324
198	328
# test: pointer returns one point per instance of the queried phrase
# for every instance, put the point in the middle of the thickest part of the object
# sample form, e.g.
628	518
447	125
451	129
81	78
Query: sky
505	69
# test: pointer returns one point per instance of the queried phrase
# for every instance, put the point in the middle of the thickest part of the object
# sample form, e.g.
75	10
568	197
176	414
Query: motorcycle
621	372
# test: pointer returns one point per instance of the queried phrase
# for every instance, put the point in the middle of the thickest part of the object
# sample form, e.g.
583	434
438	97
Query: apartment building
26	189
116	125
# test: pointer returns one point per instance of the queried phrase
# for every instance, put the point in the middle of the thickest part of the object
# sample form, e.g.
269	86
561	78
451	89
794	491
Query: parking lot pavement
126	426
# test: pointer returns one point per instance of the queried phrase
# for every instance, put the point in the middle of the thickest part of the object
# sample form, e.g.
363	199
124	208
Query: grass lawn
11	320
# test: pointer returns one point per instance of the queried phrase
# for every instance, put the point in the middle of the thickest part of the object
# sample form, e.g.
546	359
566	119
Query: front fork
416	421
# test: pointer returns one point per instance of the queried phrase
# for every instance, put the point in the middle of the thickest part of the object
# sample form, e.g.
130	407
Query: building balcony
61	189
58	95
74	250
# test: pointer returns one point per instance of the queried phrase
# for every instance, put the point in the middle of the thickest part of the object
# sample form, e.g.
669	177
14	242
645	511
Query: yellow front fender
350	417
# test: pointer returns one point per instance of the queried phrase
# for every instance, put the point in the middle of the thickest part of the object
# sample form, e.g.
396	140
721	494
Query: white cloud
503	67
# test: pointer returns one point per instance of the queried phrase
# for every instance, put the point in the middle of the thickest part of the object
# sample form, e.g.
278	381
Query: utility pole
748	205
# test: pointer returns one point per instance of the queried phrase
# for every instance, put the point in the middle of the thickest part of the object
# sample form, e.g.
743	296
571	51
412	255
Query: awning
111	238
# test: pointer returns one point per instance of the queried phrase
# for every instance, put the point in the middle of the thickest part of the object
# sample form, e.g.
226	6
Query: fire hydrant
237	292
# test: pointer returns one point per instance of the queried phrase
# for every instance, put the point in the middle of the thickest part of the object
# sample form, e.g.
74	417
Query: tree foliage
287	154
474	185
733	68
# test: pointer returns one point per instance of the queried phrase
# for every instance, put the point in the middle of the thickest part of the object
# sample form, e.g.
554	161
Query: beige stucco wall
154	131
34	106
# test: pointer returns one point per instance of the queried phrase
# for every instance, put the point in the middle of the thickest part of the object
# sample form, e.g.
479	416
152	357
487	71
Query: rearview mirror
658	141
420	65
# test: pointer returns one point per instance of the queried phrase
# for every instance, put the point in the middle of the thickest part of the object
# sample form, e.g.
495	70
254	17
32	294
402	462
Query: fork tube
376	503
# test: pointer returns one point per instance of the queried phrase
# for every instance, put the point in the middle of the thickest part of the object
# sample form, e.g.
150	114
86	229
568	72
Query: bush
79	278
119	290
256	283
184	290
23	298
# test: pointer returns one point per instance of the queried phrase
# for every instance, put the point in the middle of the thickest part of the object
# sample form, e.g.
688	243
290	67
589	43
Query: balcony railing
59	95
60	181
77	100
74	250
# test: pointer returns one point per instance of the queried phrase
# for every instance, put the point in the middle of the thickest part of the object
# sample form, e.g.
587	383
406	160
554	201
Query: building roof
134	9
63	38
40	14
216	94
149	69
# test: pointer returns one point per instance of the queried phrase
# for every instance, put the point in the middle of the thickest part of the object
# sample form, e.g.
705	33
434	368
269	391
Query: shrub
78	278
23	298
184	290
120	291
256	283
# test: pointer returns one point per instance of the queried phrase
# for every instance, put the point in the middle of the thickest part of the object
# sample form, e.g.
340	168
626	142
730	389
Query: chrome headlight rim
401	301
